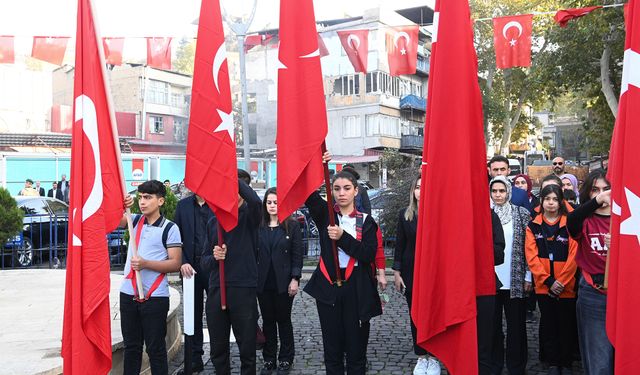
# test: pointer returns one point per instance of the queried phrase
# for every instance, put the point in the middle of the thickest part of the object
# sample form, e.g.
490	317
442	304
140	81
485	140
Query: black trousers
276	318
414	331
558	330
486	306
342	333
146	323
201	289
241	315
515	311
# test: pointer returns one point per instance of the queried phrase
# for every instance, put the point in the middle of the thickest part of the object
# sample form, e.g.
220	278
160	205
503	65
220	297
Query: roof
421	15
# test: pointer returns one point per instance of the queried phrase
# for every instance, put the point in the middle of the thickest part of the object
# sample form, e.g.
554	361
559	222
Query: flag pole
116	141
332	216
223	285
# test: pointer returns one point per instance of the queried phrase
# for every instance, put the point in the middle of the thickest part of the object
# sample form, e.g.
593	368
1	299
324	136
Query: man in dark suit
191	216
63	184
39	189
55	192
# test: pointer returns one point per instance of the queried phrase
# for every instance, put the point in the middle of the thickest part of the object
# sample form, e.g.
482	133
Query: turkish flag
7	55
512	40
453	267
95	209
302	114
322	47
402	50
251	41
49	49
113	50
356	45
159	53
563	16
623	326
212	167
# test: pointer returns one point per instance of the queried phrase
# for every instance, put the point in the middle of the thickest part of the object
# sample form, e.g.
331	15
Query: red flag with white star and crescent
623	325
402	50
512	40
211	166
356	45
95	209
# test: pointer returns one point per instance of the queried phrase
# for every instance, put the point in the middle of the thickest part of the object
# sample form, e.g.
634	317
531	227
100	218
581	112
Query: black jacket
499	243
185	219
363	251
58	194
240	265
286	255
404	255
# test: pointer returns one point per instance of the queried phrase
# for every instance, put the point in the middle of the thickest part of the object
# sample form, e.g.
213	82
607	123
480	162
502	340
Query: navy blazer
185	219
286	255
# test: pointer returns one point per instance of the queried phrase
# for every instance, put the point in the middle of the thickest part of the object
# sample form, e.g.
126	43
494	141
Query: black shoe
530	317
195	367
268	368
554	370
284	367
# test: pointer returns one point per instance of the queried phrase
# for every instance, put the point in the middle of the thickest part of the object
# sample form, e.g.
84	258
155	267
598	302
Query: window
158	92
371	81
58	208
347	85
177	100
156	125
252	103
351	127
34	207
382	125
179	130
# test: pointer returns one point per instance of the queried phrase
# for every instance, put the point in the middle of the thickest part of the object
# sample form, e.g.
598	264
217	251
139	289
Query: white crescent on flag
631	70
399	35
509	25
86	111
355	39
218	60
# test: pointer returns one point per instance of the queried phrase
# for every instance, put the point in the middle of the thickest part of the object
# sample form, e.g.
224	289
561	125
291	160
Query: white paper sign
188	296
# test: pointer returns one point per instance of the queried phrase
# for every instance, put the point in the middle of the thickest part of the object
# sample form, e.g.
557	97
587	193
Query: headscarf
504	211
574	181
529	184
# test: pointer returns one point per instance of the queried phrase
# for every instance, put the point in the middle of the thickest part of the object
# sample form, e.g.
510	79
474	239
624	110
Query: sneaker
268	368
284	367
421	367
433	366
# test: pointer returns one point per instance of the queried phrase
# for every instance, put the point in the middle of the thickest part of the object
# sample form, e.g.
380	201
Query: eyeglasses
558	163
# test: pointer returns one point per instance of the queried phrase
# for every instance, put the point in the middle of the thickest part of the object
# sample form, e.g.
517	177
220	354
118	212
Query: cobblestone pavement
390	349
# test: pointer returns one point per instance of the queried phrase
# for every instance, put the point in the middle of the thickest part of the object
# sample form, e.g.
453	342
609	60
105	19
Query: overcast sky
157	17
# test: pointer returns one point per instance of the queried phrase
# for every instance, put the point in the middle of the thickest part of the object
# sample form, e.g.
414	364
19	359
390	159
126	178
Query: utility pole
240	28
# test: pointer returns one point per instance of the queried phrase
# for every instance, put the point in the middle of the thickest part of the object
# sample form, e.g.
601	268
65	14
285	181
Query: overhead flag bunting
95	209
356	45
7	54
512	41
563	16
623	326
50	49
402	50
159	53
113	48
251	41
452	267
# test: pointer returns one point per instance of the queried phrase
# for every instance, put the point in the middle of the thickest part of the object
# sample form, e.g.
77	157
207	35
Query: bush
10	216
168	209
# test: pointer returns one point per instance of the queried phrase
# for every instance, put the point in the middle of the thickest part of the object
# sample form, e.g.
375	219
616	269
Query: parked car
44	231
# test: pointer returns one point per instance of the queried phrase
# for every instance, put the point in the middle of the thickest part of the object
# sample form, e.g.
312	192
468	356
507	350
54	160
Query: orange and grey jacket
551	255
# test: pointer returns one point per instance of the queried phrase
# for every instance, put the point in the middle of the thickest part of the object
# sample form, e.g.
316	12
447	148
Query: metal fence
41	244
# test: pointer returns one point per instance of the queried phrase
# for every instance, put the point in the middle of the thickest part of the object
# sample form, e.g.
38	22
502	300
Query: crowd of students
544	246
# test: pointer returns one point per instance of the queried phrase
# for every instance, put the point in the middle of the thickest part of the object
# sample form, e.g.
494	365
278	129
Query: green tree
10	216
185	56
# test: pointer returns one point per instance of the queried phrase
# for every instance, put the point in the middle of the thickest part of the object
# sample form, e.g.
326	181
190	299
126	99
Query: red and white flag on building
452	267
302	114
563	16
95	209
159	53
356	45
322	47
623	325
402	50
50	49
211	166
512	41
113	48
7	54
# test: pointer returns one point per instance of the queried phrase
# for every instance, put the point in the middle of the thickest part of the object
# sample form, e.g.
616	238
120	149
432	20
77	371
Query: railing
411	141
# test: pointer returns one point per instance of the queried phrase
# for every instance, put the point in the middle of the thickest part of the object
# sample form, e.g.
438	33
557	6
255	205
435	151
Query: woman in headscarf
570	182
522	181
515	278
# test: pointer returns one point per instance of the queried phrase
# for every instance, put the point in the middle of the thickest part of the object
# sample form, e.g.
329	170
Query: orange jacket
539	246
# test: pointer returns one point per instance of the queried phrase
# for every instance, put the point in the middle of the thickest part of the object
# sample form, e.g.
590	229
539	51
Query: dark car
44	232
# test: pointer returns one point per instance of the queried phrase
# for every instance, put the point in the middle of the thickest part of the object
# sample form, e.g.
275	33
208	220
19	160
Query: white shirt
348	224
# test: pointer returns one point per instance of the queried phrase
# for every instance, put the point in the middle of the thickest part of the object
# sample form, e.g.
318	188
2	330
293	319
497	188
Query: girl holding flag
346	302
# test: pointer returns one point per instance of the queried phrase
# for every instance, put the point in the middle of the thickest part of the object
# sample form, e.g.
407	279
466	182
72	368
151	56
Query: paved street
390	350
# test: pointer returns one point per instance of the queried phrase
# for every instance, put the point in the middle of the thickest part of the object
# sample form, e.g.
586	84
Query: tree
10	216
185	56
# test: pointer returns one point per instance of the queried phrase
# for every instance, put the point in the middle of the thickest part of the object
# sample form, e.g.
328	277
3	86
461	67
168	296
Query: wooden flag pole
223	285
332	216
116	142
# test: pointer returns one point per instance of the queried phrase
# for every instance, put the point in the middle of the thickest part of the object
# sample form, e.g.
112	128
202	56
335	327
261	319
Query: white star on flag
631	226
512	42
226	124
403	51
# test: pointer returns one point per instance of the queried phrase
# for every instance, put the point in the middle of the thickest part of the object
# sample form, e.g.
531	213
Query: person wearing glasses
558	165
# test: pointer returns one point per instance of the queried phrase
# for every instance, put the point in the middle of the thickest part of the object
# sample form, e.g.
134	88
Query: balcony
413	102
411	142
422	67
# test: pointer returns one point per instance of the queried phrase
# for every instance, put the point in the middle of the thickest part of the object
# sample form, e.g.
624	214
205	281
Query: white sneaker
433	367
422	367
